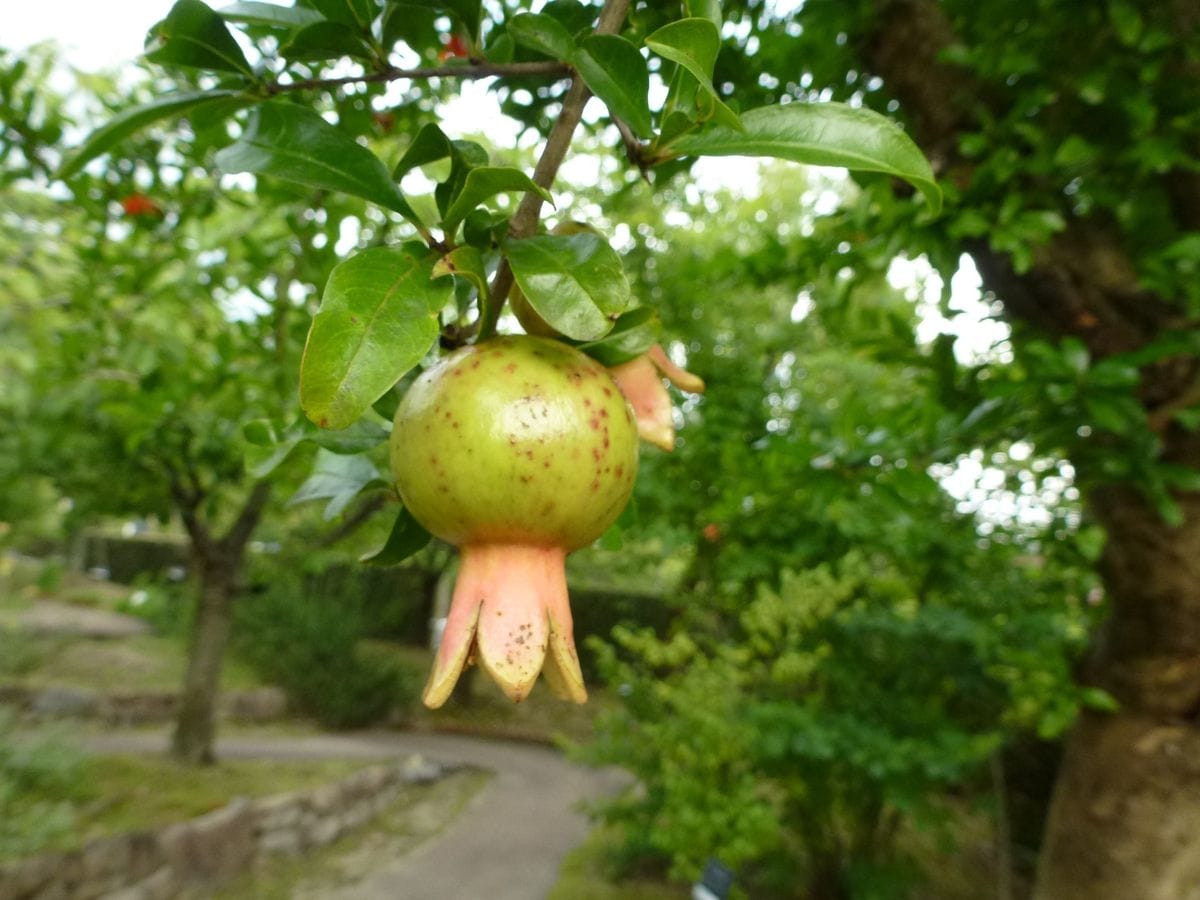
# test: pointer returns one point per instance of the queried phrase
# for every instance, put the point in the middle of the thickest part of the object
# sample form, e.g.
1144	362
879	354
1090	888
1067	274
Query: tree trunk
195	729
219	565
1125	820
1125	817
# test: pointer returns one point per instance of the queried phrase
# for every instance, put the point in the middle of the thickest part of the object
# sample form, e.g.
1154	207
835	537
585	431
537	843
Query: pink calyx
640	380
509	608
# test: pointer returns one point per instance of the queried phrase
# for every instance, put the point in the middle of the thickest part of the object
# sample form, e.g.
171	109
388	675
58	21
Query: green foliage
312	649
835	706
41	776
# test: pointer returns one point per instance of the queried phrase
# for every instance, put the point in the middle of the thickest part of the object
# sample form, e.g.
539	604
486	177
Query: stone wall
169	862
124	708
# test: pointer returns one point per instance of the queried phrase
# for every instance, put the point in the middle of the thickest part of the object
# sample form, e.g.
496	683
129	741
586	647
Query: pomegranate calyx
509	608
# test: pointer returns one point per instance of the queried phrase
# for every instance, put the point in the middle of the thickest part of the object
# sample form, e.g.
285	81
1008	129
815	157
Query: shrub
796	742
313	649
41	777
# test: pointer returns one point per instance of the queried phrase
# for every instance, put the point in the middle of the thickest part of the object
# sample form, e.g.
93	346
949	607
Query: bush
314	650
796	742
41	777
165	606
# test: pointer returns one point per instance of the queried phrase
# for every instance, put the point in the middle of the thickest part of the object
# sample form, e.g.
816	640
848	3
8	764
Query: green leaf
406	538
615	72
545	34
466	262
255	13
297	145
634	333
429	146
484	182
194	36
819	134
327	40
260	433
705	9
411	24
131	120
576	283
266	451
378	318
338	479
467	12
356	13
692	43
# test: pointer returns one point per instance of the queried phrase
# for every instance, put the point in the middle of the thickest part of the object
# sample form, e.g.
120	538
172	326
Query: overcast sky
93	35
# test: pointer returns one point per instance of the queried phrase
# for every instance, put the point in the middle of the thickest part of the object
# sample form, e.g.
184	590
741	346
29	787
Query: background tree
1074	189
1083	231
154	319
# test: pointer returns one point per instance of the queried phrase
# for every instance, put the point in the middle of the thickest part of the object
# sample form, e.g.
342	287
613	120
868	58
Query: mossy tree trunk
1125	816
218	564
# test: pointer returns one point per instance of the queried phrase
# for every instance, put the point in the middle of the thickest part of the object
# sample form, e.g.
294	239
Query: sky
91	35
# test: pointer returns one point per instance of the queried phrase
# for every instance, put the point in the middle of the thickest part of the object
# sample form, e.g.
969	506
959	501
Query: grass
420	813
586	875
144	662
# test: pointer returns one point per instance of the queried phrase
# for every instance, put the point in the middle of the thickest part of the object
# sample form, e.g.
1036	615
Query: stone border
165	863
126	708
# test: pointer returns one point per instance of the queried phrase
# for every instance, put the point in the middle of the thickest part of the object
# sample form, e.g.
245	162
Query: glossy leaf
705	9
575	283
693	44
429	146
819	134
412	24
615	72
406	538
132	120
484	182
378	318
194	36
542	33
467	12
634	333
356	13
338	479
326	40
297	145
255	13
466	262
267	451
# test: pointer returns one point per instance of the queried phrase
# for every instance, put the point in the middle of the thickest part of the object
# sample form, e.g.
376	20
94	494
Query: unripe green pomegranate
517	450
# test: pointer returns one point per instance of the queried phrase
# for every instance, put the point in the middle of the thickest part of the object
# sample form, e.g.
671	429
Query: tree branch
243	526
473	70
524	222
355	520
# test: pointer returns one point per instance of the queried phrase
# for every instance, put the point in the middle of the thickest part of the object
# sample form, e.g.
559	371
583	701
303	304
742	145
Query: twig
524	222
634	150
474	70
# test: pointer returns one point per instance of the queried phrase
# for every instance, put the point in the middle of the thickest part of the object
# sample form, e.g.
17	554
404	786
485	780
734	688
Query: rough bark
195	729
1125	817
218	564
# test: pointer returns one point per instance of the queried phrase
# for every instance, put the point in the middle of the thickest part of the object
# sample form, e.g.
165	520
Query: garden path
507	845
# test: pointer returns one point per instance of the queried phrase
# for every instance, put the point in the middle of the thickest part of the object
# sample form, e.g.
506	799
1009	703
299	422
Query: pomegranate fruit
517	450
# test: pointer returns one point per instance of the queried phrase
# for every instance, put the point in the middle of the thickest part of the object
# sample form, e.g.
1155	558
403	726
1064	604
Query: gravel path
507	845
